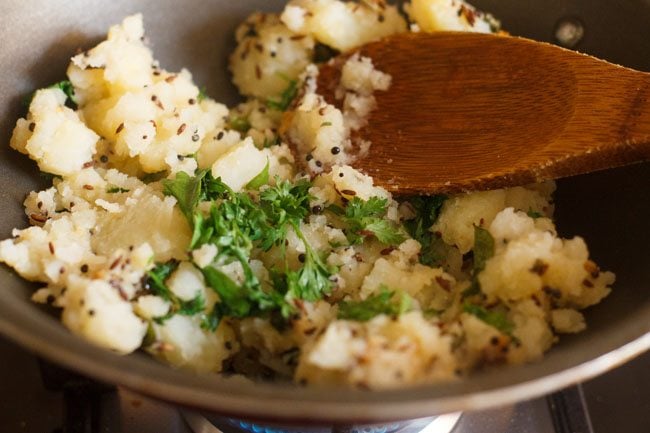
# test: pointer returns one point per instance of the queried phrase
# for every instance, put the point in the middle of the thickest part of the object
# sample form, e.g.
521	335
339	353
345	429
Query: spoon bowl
469	111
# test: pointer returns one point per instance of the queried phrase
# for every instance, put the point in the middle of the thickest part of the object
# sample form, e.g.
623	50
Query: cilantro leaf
286	97
283	204
65	86
496	319
312	281
286	205
116	189
202	94
235	224
427	211
534	214
483	248
154	177
382	303
155	281
261	179
240	124
366	218
233	300
187	191
387	232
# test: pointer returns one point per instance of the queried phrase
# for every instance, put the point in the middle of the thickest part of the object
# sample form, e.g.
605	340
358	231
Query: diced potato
268	56
53	135
343	25
450	15
240	164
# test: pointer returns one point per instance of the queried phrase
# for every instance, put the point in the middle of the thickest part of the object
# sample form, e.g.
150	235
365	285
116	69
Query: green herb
238	123
262	178
284	205
116	189
534	214
382	303
270	142
155	281
431	312
427	210
149	336
234	300
286	97
236	223
202	94
156	277
496	319
367	218
49	176
483	251
65	86
312	281
187	191
386	231
483	248
154	177
326	124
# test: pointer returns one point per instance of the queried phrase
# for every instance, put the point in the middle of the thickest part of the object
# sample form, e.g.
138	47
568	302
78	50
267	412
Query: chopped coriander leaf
427	210
387	232
155	281
184	308
49	176
192	307
116	189
187	191
240	124
473	289
234	301
534	214
483	248
283	204
235	224
382	303
496	319
154	177
65	86
483	251
286	97
367	218
270	142
312	281
149	336
358	209
262	178
202	94
326	124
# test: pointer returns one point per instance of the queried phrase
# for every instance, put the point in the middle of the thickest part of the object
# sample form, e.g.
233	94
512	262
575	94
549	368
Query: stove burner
438	424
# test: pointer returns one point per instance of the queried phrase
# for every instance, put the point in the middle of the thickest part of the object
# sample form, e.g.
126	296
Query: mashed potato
187	229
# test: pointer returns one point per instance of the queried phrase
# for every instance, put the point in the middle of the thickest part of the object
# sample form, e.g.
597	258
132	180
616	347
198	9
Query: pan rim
284	403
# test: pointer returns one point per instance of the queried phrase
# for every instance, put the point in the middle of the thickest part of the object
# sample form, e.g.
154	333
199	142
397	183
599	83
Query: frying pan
610	209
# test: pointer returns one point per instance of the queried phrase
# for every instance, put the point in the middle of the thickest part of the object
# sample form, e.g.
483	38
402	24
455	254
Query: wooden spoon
469	111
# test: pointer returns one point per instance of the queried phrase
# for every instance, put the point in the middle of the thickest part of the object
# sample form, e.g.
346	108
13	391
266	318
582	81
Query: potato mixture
240	240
